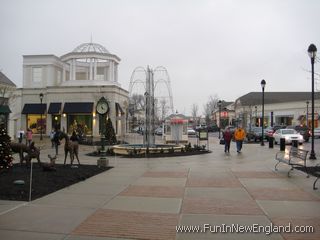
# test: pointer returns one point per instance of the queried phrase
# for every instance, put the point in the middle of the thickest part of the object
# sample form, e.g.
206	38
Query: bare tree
194	112
163	108
138	101
209	107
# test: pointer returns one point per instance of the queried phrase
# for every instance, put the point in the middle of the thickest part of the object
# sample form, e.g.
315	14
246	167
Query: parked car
200	127
191	132
158	131
303	130
255	134
271	130
213	128
316	132
288	134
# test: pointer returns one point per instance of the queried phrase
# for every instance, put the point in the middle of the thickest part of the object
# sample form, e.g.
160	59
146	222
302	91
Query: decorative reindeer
71	147
31	150
51	165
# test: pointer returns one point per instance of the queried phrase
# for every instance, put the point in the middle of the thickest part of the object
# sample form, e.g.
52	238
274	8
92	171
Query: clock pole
102	109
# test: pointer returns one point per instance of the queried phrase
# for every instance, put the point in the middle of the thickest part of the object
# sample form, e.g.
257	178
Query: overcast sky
209	47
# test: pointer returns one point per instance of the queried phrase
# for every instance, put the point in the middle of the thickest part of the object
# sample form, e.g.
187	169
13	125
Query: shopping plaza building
62	92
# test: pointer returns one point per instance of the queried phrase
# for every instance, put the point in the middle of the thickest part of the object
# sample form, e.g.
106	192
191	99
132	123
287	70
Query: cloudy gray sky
209	47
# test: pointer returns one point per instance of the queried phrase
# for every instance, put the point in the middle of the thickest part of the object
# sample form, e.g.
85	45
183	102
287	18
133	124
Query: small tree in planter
5	150
110	133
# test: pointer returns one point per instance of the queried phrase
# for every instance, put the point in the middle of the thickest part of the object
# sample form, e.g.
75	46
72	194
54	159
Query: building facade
62	92
280	108
7	88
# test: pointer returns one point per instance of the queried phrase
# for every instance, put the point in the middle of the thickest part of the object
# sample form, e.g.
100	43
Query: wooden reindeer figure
70	147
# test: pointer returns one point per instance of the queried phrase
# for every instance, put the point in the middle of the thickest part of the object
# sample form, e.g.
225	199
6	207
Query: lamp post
263	84
307	113
41	98
255	107
312	51
219	104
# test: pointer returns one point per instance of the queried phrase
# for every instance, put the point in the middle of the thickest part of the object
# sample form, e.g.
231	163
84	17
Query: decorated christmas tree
5	149
110	133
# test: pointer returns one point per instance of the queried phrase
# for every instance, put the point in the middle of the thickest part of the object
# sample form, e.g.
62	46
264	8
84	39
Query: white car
288	134
317	132
191	132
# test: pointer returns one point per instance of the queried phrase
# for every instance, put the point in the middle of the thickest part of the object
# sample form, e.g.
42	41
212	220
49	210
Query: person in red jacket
227	136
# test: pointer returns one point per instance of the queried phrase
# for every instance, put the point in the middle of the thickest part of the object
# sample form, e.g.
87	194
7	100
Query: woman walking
29	136
227	136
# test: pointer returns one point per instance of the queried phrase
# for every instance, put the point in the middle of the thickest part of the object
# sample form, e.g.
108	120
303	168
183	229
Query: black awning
54	108
119	109
78	107
34	108
5	109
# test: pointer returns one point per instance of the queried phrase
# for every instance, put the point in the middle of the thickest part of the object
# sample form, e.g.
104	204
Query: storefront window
3	120
35	124
56	122
82	124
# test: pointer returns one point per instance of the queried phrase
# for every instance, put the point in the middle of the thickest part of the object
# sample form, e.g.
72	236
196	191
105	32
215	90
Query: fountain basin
140	149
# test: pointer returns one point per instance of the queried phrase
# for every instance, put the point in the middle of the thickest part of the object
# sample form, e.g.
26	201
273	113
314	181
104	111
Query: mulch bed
43	182
166	154
154	155
314	171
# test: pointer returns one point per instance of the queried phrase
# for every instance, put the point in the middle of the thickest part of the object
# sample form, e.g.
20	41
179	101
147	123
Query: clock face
102	107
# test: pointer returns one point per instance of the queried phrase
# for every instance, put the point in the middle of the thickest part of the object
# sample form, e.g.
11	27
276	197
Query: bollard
270	142
282	144
295	143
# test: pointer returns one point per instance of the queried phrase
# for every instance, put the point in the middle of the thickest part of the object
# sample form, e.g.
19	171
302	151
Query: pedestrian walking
29	136
20	135
227	136
74	137
56	140
52	133
239	136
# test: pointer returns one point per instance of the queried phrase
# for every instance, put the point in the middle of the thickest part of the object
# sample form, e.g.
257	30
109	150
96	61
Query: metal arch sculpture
165	80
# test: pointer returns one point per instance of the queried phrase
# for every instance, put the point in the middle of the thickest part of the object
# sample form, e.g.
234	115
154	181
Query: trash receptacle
270	142
295	143
282	144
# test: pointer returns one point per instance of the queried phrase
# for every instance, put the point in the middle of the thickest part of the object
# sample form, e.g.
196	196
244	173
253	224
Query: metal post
219	104
307	114
256	115
263	83
41	97
312	50
312	153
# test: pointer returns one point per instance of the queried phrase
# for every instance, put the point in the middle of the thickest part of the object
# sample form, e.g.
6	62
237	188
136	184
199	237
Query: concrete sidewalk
148	198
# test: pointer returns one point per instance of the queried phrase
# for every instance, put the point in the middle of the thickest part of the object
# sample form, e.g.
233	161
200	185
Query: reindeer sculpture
69	147
32	152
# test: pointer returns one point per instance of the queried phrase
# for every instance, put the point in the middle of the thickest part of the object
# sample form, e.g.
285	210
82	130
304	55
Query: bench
295	157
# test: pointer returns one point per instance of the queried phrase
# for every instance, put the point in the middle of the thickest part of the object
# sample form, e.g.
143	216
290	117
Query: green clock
102	106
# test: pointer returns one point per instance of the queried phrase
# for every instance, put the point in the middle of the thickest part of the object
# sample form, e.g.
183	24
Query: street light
312	51
307	113
41	97
219	104
256	115
263	84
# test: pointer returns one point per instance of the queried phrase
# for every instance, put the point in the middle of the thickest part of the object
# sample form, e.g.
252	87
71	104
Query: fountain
148	146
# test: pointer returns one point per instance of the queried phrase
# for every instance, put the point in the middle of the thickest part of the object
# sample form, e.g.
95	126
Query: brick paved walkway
148	198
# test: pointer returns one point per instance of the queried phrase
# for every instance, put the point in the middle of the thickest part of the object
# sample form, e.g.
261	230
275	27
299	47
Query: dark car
254	134
302	130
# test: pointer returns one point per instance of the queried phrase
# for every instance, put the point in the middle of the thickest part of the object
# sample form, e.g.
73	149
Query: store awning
5	109
54	108
119	109
34	108
78	107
